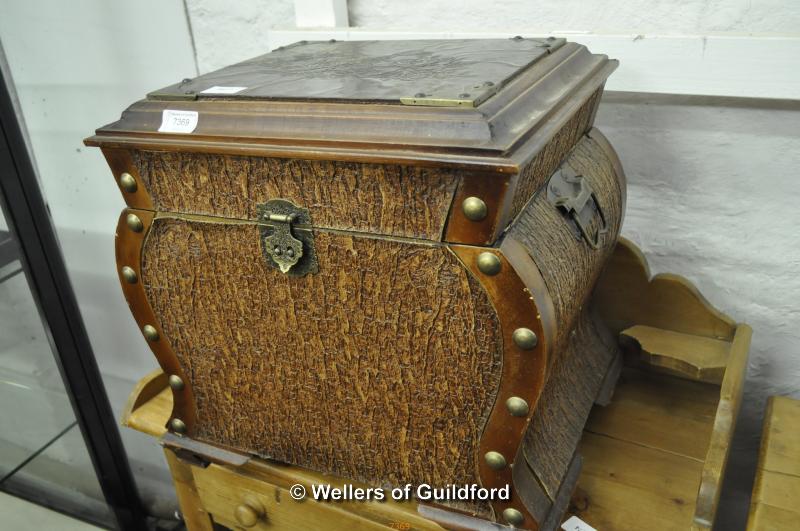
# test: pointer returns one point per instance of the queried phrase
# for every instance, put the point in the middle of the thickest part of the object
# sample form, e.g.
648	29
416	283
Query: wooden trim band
523	375
120	161
494	190
601	139
129	244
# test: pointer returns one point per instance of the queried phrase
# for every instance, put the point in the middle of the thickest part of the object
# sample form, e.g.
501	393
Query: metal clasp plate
286	237
572	194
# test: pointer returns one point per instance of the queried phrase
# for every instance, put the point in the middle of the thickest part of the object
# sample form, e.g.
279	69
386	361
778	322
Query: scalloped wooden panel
626	296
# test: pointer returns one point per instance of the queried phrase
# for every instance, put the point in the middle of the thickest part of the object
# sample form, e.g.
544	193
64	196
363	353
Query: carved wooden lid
466	103
457	73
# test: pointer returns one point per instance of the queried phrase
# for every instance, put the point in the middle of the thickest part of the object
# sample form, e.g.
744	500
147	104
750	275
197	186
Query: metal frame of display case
28	216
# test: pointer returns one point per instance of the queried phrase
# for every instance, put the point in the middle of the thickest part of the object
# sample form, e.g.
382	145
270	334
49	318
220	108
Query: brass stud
525	338
489	263
517	406
127	182
175	382
513	516
177	425
495	460
129	275
150	332
134	223
474	208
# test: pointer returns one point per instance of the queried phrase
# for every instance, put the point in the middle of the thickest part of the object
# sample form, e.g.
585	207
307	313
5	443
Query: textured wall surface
612	16
227	32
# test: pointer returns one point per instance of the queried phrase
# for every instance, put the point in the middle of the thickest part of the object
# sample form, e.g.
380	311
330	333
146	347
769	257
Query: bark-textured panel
383	199
536	172
575	379
569	266
383	367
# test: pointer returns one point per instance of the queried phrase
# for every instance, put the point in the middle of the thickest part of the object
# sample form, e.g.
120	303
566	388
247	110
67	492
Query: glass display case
59	442
43	456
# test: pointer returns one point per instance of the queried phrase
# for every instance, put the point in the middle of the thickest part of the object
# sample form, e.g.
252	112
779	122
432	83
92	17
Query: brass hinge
172	96
286	237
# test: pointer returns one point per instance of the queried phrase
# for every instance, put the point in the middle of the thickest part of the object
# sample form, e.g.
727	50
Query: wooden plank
151	417
222	492
626	296
724	424
690	356
709	65
765	517
781	442
389	511
194	515
778	490
659	412
627	486
145	390
642	474
775	504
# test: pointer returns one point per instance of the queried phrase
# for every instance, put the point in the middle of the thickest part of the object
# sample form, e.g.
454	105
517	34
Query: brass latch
286	237
574	196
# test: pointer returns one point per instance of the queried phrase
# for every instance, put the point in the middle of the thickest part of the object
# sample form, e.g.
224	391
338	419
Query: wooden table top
775	505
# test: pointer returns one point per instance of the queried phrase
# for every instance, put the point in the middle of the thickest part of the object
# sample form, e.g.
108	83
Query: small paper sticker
576	524
178	121
222	90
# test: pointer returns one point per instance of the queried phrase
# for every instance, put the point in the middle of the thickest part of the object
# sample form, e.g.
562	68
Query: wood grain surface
575	380
665	350
195	515
645	455
129	246
569	266
538	170
776	493
387	199
626	289
524	370
383	367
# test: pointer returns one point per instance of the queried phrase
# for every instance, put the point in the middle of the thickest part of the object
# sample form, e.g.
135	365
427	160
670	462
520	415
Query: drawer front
239	501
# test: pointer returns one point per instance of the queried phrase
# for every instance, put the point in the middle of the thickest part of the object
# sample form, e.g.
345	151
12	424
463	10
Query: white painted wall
227	32
713	182
598	16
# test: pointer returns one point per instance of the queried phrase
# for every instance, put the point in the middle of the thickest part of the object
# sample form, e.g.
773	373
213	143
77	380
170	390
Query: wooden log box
654	458
373	260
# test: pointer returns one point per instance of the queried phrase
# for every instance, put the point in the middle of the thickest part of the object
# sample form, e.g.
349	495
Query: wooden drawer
237	499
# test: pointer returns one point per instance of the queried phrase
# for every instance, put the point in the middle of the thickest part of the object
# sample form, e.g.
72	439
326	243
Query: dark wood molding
495	136
524	372
129	246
